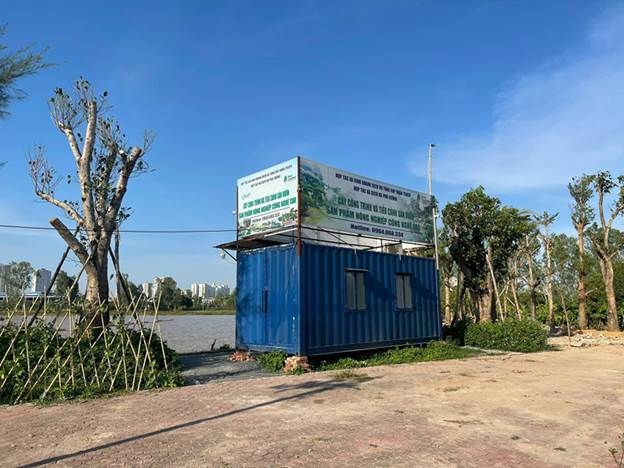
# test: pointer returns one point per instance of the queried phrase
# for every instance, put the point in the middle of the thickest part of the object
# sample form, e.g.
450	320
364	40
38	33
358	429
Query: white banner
267	200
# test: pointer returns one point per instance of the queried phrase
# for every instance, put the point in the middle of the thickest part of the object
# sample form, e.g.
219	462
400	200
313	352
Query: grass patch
434	351
273	361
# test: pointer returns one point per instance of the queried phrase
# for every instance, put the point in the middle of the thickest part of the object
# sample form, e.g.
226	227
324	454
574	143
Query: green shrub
343	363
273	361
397	356
42	364
525	336
442	350
434	351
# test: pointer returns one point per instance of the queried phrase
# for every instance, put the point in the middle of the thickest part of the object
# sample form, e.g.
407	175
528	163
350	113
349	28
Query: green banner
337	200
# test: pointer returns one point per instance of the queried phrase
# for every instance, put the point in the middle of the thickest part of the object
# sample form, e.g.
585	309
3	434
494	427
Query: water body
183	333
194	333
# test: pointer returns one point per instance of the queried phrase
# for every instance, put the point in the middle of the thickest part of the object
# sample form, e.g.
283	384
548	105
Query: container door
281	298
252	301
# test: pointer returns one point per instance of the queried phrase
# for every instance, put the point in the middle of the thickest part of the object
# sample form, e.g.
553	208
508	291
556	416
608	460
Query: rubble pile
294	363
241	356
597	339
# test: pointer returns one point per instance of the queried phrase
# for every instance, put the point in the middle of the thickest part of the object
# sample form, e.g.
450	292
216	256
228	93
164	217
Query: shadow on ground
204	367
309	389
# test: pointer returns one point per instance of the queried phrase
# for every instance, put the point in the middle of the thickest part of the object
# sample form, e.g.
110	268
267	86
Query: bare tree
605	249
104	165
582	216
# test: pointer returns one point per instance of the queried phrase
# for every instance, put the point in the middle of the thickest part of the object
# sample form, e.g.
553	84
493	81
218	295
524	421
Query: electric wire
132	231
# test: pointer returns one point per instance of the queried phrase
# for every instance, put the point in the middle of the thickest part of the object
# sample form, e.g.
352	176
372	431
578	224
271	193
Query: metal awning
248	243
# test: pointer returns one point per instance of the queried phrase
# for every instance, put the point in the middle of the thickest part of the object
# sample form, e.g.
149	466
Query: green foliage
434	351
42	365
312	193
224	302
343	363
273	361
478	227
63	284
524	336
16	277
13	66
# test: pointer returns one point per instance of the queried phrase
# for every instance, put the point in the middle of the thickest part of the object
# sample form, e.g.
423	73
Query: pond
193	333
183	333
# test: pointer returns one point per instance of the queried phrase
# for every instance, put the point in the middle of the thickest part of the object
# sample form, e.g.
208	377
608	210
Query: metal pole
434	214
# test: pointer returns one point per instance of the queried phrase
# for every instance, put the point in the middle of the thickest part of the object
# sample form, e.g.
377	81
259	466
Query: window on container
356	289
404	291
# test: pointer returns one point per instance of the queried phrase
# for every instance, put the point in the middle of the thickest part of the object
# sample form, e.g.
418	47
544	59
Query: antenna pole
434	214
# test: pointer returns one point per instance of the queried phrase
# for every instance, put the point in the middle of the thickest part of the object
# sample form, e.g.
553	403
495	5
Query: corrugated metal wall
329	326
299	303
267	300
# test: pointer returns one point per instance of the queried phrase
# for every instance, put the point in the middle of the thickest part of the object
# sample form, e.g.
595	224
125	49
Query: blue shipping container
331	299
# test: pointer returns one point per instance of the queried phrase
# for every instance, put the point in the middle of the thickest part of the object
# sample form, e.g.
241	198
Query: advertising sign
267	200
341	201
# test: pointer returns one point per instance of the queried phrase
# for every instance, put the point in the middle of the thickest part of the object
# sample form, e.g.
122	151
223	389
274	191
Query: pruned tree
544	222
13	66
580	189
105	162
603	244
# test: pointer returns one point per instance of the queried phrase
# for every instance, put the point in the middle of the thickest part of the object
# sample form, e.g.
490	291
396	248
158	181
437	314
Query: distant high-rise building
208	292
221	289
203	290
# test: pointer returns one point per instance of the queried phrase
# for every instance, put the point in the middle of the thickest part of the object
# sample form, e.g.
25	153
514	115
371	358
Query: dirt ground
558	408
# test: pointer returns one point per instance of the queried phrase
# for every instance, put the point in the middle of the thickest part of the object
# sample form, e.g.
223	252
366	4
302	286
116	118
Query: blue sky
518	97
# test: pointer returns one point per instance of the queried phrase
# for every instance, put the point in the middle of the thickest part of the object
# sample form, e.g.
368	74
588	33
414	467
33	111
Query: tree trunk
492	287
485	301
549	289
514	293
447	302
532	294
460	305
582	297
606	265
532	285
97	294
485	306
582	291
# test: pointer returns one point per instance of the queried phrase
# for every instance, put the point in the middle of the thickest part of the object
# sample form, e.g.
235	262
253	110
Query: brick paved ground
549	409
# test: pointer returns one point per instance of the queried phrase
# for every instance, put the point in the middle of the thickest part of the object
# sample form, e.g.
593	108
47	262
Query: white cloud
562	120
